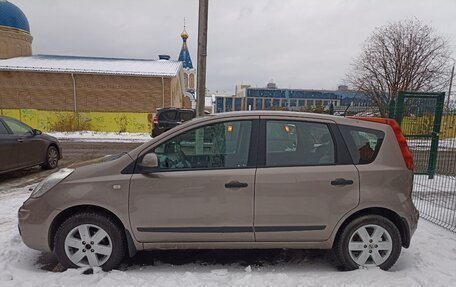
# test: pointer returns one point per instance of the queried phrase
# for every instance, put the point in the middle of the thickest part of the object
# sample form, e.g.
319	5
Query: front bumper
35	218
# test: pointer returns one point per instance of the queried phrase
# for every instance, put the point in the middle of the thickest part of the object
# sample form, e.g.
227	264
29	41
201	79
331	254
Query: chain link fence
435	196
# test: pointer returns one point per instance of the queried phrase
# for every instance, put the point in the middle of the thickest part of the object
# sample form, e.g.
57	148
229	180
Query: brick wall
14	43
94	93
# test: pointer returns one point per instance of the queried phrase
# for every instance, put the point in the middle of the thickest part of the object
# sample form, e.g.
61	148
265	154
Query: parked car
22	146
168	118
236	180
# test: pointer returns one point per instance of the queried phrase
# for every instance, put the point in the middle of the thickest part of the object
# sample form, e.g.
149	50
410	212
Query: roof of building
344	96
13	17
92	65
184	55
289	93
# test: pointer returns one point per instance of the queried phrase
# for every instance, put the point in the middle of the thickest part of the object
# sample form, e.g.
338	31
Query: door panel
202	189
32	150
302	201
192	206
302	189
9	150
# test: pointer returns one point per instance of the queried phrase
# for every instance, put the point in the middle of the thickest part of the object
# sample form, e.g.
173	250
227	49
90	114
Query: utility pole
449	90
202	55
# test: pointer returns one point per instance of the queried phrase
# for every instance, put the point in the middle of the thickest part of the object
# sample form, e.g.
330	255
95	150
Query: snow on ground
91	136
436	198
425	144
430	261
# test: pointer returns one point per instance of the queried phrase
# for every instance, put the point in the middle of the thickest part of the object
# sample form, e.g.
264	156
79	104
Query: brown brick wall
14	43
97	93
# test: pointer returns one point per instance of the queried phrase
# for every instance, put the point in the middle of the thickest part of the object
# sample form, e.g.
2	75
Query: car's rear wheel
368	241
90	239
52	158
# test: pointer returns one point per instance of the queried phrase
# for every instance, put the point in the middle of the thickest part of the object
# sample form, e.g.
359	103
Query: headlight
50	181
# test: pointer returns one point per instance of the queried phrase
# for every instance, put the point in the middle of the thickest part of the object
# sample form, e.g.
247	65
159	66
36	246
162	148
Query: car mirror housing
36	132
149	163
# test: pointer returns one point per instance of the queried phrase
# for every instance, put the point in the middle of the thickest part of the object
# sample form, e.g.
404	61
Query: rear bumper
410	223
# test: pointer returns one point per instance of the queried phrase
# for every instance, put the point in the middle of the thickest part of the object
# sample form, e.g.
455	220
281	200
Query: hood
49	137
104	166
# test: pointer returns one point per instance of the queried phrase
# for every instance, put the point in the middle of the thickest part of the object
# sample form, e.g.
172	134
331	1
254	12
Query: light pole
202	55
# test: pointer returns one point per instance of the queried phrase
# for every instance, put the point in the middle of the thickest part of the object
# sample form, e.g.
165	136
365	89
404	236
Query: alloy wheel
53	157
370	245
88	245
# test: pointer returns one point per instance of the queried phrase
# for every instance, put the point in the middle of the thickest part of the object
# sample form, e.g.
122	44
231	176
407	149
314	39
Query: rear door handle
341	182
20	140
236	184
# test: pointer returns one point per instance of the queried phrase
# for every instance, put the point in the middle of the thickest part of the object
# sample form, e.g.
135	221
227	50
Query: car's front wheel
89	239
52	158
368	241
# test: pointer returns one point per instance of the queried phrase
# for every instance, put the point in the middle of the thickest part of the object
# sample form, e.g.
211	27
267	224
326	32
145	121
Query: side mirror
36	132
149	163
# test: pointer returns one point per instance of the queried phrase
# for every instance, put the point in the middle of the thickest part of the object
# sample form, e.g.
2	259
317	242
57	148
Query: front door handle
20	140
341	182
236	184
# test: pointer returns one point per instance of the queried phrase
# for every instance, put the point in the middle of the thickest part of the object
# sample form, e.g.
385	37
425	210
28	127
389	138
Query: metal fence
435	196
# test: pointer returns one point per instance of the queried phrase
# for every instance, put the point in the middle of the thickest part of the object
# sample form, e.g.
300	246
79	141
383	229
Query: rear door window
295	143
363	144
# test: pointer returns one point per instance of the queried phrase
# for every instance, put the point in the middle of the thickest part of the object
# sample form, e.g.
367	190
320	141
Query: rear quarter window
168	115
363	144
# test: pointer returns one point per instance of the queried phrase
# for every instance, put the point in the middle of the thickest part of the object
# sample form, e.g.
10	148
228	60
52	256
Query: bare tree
402	56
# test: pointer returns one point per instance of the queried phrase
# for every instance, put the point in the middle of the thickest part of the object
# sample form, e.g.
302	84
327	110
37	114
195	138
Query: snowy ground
448	144
91	136
430	261
436	198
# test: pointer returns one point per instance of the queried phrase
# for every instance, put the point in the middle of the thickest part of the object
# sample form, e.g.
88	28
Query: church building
64	93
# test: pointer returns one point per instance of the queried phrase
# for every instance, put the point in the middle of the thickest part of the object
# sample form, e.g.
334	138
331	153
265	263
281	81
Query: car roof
280	113
315	116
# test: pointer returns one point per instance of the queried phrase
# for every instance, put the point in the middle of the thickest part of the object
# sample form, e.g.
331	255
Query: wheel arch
395	218
67	213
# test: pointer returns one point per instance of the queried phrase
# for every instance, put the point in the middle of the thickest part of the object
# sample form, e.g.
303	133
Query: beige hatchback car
235	180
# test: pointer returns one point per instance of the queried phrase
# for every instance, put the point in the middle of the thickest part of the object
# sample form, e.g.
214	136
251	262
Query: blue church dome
12	16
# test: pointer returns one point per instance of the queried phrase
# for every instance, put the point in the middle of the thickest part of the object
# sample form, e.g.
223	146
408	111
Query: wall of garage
91	121
70	102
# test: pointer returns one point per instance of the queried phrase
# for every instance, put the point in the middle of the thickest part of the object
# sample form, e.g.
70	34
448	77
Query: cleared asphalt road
73	152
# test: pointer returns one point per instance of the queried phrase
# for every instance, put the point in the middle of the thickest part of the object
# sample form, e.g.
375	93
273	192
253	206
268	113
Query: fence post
435	135
392	107
399	108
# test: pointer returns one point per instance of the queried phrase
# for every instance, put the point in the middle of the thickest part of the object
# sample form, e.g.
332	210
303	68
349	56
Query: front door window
216	146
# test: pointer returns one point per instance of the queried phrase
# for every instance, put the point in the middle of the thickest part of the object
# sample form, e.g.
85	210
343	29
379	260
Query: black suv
168	118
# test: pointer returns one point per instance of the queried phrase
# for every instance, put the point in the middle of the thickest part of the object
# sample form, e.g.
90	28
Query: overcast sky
305	44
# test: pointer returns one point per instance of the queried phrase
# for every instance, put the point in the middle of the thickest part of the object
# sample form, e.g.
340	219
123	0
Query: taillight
156	120
408	158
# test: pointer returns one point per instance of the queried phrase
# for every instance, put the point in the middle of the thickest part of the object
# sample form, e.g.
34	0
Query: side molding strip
231	229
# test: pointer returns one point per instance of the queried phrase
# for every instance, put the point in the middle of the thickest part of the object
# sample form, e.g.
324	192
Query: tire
374	239
154	133
73	251
52	158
